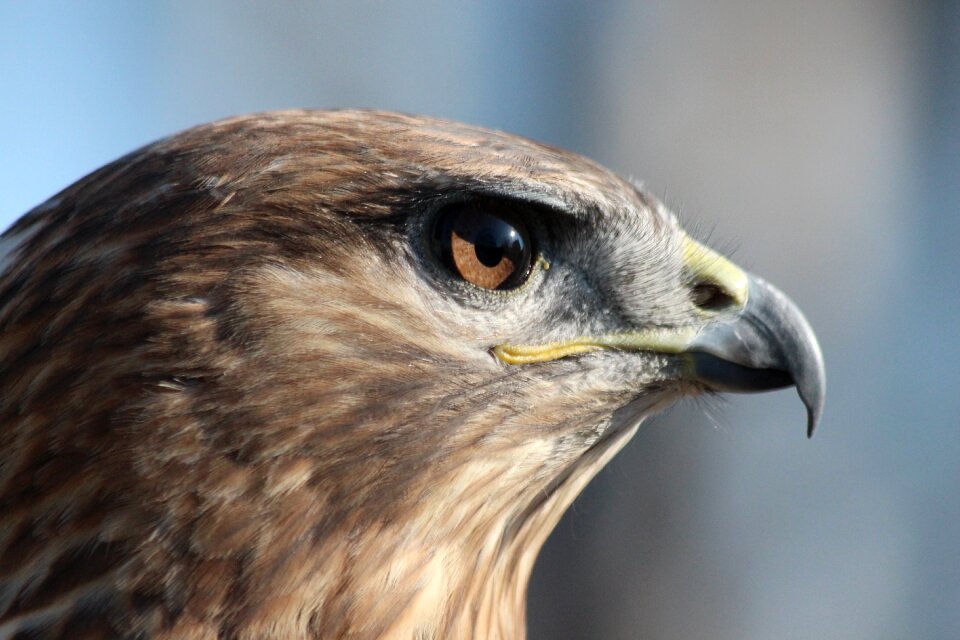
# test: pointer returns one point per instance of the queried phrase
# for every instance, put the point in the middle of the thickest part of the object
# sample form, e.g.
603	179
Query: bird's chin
631	415
550	501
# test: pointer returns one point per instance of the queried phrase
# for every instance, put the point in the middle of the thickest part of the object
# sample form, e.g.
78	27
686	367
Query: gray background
817	141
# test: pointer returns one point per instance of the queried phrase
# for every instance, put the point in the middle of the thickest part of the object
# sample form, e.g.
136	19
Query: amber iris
485	243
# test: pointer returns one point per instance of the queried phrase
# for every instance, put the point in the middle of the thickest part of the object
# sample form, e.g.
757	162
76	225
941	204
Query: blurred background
816	141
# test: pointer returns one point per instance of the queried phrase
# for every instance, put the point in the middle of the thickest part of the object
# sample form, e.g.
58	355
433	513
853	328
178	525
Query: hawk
338	374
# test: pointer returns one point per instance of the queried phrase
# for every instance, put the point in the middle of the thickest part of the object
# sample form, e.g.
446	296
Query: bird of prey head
338	374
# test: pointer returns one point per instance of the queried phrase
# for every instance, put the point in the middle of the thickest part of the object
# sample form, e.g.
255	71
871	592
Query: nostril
710	297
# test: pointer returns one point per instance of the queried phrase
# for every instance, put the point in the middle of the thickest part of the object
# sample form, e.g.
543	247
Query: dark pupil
494	241
492	237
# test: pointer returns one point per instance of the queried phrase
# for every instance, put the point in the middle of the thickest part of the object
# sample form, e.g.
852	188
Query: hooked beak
763	342
768	345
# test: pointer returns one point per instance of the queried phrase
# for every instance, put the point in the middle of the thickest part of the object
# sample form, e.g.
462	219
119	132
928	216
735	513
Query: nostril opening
710	297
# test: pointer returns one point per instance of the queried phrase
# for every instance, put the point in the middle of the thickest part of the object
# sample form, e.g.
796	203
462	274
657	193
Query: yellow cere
708	266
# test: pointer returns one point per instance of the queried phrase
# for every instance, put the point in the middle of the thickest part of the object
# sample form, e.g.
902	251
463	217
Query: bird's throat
475	586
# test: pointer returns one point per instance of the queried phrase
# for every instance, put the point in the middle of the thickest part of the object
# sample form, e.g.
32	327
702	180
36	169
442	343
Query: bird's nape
338	374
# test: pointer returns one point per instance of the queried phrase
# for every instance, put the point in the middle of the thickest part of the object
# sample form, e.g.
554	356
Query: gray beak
767	345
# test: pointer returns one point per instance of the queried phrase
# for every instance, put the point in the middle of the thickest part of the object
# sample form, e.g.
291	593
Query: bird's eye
483	243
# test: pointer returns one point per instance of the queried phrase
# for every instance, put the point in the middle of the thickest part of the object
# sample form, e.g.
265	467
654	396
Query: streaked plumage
241	398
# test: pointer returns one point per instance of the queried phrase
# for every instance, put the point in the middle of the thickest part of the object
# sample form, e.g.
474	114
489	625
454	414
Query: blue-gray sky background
818	141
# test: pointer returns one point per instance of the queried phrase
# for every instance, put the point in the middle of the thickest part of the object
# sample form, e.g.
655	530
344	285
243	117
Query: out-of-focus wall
819	142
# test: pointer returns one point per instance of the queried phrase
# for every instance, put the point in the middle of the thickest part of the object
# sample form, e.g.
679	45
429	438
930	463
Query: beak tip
814	403
813	390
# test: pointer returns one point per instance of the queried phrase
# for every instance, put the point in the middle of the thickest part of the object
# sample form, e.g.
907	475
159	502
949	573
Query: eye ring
483	242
